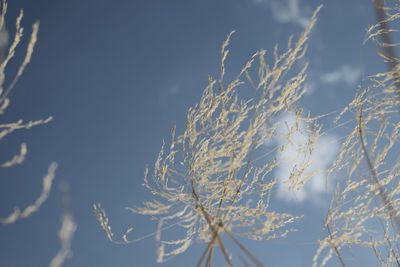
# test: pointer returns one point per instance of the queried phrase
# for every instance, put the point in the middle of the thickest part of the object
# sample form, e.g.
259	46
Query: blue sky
116	75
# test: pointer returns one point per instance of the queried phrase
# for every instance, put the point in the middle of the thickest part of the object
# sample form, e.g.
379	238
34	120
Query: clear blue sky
116	75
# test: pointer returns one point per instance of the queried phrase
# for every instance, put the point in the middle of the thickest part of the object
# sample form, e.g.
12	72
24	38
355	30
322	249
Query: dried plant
8	128
68	226
365	211
47	183
215	179
67	230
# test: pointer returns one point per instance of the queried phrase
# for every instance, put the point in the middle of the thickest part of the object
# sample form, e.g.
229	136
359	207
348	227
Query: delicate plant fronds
382	30
17	159
385	200
27	59
335	248
11	127
8	128
103	220
386	47
47	183
3	13
66	232
208	182
11	52
367	203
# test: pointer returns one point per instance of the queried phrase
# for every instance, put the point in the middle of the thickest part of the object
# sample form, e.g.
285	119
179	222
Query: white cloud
345	74
323	155
286	11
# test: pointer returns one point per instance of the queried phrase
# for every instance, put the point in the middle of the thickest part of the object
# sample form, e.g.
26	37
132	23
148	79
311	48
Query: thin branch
386	201
215	231
389	51
210	244
210	256
245	250
334	246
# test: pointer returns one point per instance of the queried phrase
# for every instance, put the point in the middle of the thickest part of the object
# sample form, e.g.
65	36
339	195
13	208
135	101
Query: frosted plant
215	179
8	128
365	211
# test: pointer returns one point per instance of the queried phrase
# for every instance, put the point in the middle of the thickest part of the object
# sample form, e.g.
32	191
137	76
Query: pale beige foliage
208	181
47	184
66	232
103	220
8	128
366	209
17	159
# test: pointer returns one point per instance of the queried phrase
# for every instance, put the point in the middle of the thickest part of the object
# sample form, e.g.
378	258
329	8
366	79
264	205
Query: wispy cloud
323	155
345	74
168	92
286	11
174	89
